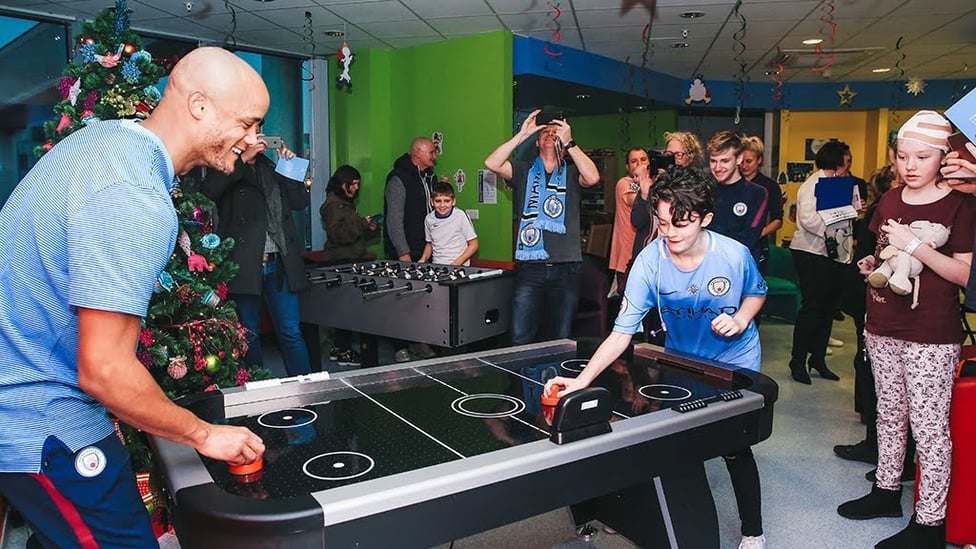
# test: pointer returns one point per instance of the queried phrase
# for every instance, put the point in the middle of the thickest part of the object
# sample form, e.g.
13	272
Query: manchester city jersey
689	301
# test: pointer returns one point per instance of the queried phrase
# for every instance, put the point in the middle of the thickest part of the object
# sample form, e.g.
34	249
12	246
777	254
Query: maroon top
936	319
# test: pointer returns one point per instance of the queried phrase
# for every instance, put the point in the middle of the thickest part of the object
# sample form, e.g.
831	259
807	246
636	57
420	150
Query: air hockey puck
247	470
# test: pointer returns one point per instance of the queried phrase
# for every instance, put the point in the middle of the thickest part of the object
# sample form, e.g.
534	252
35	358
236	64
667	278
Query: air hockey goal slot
581	414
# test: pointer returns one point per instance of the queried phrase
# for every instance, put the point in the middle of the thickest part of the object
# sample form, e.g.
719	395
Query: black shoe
907	474
838	315
862	451
824	372
879	503
916	536
799	373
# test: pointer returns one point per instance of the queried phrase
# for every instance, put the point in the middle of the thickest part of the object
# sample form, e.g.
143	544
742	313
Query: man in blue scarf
548	259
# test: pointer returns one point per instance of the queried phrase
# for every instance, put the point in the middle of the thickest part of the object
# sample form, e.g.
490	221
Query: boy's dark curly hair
689	191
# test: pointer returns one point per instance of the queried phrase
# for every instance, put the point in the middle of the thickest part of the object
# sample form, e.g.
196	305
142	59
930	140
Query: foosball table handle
425	290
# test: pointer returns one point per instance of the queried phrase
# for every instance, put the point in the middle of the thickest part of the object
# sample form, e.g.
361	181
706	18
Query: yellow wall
866	132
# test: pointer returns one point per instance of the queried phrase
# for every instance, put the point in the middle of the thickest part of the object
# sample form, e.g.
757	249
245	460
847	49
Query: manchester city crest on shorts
740	209
529	236
719	286
553	207
90	461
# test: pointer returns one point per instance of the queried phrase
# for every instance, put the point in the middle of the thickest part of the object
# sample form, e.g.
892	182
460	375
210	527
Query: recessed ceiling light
333	32
884	69
677	45
813	41
692	14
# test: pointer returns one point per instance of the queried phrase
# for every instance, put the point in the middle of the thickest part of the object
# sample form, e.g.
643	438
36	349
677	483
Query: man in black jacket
406	204
254	205
407	200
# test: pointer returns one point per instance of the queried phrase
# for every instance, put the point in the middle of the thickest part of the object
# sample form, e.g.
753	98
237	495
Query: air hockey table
423	453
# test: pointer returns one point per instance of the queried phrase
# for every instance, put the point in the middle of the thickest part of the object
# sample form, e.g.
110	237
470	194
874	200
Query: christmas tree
111	77
191	340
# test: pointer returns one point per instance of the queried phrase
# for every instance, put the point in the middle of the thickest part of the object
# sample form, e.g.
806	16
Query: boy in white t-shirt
451	239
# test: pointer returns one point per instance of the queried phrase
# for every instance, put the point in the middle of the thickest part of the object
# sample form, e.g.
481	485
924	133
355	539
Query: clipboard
962	114
834	192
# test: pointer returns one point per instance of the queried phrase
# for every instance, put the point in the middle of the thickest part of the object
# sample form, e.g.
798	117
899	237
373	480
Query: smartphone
376	218
274	142
546	118
957	142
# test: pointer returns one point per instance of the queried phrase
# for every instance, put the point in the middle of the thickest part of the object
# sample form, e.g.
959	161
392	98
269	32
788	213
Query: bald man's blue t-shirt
688	301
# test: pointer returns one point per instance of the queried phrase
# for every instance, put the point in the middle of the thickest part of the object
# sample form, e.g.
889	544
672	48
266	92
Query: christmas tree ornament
141	55
131	72
210	241
184	242
120	17
177	367
210	298
64	123
213	364
87	51
109	60
198	264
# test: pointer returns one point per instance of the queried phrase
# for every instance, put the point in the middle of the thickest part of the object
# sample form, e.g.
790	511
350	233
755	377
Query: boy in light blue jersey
708	290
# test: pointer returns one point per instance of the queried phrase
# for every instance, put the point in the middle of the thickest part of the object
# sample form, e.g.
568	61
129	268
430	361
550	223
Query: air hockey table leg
368	351
673	511
313	342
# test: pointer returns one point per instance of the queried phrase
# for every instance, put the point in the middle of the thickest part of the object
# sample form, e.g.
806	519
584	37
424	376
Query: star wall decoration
915	86
846	95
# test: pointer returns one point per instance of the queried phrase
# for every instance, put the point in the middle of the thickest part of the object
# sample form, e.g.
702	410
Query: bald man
84	242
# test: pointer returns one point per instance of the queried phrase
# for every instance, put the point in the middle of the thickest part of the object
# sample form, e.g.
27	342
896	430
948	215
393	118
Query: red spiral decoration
551	49
827	20
777	79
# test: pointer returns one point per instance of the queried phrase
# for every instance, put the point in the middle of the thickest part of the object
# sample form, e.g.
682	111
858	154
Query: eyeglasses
677	154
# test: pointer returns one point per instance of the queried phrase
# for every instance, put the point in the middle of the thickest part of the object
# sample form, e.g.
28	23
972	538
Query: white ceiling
937	37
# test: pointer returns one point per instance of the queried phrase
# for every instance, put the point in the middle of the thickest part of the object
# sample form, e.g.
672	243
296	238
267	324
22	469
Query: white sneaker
753	542
835	342
829	351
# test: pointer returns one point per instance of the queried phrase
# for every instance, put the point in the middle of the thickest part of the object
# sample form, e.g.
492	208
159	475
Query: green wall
461	88
610	131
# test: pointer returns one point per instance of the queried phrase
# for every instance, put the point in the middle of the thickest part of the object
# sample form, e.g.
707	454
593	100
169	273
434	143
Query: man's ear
707	219
196	103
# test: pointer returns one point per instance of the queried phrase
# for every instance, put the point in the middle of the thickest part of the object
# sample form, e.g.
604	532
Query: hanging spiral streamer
552	48
777	78
625	110
828	28
308	36
901	58
738	57
230	40
896	84
646	50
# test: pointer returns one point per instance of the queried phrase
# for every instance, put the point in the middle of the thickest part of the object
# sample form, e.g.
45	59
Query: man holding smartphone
254	205
548	258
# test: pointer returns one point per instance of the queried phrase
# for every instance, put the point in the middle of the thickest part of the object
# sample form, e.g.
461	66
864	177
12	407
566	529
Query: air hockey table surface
422	453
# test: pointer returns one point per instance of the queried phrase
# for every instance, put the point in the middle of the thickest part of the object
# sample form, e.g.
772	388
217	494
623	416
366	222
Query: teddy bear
899	270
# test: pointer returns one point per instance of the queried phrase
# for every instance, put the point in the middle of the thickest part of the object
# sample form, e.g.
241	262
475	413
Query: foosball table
440	305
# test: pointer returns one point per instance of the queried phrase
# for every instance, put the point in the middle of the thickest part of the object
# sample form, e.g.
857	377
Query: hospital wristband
913	245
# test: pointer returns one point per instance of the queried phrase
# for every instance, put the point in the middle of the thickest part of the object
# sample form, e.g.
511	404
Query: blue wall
580	67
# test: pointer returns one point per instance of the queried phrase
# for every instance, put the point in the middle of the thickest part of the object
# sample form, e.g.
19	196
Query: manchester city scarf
551	196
